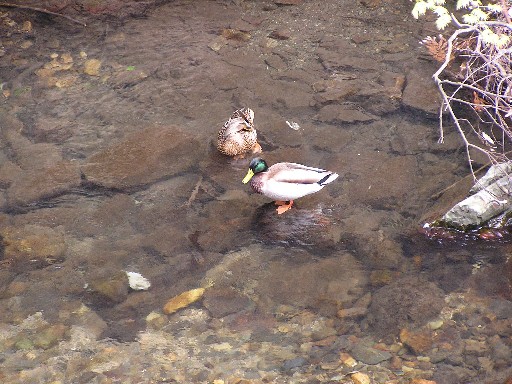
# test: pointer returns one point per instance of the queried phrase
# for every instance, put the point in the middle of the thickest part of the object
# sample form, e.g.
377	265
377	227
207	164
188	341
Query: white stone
137	282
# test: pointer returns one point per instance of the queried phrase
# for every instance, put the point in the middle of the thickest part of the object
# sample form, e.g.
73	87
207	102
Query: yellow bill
248	177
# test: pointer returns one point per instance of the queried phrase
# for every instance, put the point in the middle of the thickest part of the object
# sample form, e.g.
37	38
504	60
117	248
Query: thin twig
486	75
442	191
194	192
42	10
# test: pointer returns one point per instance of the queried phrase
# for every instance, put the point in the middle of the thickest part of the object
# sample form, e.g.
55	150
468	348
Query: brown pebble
395	363
360	378
92	67
183	300
26	26
347	360
418	341
352	312
280	34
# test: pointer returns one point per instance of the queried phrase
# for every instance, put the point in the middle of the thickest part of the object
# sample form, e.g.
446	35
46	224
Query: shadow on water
298	227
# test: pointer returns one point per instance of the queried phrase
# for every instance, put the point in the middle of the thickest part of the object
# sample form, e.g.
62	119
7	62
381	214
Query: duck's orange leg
283	207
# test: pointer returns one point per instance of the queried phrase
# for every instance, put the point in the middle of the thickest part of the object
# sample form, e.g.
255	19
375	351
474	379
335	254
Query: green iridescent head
257	165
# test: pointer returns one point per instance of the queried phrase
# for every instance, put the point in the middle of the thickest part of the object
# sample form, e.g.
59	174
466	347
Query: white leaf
440	11
443	21
419	9
488	36
491	38
495	8
463	4
487	138
503	40
137	282
293	125
469	18
478	13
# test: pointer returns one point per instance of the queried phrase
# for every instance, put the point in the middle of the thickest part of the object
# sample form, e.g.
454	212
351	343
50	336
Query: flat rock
288	2
224	301
9	172
334	57
378	178
368	355
420	91
343	114
142	158
336	89
276	62
24	153
38	184
33	242
404	301
280	34
338	279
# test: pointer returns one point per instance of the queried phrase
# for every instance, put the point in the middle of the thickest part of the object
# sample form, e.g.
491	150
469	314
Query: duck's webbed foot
283	206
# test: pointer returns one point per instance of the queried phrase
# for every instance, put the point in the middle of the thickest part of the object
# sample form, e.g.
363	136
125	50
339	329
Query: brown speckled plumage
238	135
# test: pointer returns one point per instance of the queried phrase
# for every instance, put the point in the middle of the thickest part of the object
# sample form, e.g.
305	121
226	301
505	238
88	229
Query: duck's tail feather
330	177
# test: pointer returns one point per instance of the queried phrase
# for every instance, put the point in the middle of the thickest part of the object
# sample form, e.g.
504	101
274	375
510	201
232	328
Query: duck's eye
260	167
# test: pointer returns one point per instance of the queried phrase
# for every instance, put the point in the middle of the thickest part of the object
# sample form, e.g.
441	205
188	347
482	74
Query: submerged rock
38	184
419	341
33	242
50	336
420	92
92	67
404	301
369	355
323	284
110	289
183	300
224	301
142	158
344	114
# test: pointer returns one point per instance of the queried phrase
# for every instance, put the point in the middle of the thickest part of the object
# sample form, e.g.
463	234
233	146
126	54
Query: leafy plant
475	72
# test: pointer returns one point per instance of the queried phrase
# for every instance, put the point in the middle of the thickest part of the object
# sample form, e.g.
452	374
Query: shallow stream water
108	165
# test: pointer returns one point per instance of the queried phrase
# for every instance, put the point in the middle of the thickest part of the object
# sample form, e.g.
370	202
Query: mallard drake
285	182
238	135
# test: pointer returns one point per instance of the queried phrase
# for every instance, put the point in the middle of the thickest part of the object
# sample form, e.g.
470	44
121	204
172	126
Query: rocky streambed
107	166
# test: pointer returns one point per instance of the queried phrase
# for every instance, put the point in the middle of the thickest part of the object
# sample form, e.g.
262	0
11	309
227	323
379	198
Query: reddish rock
419	341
